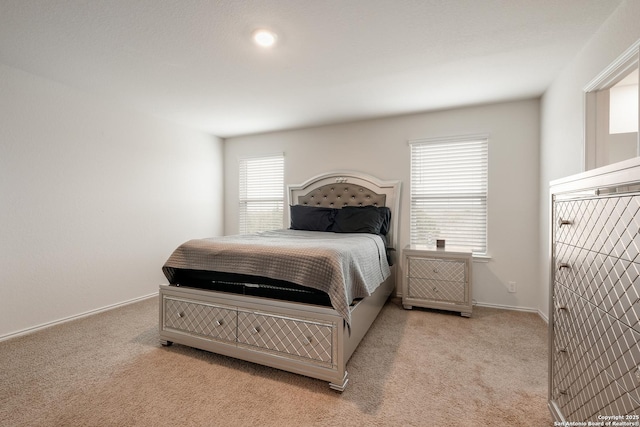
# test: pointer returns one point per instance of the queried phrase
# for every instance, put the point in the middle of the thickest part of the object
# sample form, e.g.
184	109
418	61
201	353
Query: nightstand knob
563	265
218	322
181	314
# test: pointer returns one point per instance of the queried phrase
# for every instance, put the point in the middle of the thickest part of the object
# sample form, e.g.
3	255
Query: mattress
345	266
244	284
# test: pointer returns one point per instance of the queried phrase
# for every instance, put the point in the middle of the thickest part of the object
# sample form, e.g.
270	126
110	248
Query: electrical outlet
512	287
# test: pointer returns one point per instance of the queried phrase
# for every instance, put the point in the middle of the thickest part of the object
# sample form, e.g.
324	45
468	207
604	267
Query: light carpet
413	368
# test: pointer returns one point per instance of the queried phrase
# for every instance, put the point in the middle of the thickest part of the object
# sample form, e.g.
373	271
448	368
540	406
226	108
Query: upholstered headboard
349	188
339	194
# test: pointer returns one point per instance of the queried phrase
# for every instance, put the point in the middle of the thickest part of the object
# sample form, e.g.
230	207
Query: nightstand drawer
437	290
437	269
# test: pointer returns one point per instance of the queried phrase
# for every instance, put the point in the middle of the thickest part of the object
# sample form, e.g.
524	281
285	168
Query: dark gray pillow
312	218
362	219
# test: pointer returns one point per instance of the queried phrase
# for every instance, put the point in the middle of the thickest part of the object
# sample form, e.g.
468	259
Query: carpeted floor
414	368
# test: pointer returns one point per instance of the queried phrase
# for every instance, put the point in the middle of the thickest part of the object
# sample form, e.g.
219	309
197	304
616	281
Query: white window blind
449	192
261	193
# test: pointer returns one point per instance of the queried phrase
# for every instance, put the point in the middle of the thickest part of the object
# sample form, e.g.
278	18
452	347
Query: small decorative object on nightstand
437	278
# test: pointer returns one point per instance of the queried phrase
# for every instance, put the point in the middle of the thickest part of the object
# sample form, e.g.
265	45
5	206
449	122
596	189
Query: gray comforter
345	266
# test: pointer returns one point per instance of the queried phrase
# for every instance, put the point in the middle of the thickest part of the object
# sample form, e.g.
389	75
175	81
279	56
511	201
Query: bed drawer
286	336
197	318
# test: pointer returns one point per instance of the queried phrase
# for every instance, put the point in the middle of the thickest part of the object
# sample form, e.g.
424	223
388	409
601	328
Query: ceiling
193	61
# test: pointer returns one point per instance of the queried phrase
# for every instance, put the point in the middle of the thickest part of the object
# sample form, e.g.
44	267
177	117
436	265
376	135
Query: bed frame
306	339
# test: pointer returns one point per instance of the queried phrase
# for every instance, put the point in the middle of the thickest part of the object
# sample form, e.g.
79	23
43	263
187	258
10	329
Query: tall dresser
594	310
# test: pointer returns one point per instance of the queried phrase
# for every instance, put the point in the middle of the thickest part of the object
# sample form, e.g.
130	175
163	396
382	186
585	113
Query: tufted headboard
339	194
349	188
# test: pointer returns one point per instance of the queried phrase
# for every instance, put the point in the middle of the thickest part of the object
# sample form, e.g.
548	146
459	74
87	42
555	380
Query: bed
299	299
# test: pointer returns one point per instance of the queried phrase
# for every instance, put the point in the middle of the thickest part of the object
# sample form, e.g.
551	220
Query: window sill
482	258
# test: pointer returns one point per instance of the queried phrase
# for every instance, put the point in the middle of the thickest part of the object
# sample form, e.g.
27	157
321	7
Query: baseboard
75	317
512	307
543	316
504	307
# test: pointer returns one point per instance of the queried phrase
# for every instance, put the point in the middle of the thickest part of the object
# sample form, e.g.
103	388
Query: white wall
562	115
379	148
93	199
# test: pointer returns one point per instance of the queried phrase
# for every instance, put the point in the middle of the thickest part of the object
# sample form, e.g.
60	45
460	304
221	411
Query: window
261	193
449	192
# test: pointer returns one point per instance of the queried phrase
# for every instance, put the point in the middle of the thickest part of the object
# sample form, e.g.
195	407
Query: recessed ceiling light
264	38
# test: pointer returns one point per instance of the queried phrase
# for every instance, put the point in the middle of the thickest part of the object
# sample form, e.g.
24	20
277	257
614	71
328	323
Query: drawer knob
181	314
219	322
564	392
562	222
255	330
307	340
562	350
562	308
637	373
563	265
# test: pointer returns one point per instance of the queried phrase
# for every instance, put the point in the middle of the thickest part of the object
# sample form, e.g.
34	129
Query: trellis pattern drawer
437	269
201	319
608	282
287	336
607	225
436	289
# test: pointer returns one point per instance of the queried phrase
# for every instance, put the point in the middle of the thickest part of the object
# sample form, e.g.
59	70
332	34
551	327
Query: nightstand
437	278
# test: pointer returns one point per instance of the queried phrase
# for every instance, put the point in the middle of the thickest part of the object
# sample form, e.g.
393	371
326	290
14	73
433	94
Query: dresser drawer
607	225
198	318
610	283
575	317
286	336
574	221
438	290
437	269
617	355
